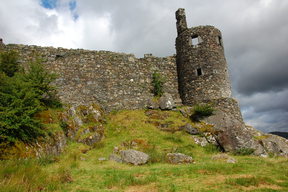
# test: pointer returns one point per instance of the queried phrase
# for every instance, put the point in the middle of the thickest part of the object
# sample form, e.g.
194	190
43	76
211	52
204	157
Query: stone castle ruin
201	65
197	74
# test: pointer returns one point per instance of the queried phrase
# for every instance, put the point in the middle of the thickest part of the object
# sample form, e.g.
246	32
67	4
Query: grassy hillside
81	168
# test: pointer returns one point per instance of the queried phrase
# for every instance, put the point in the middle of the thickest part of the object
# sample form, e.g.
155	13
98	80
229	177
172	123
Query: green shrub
22	96
40	80
212	148
173	139
244	151
18	105
64	125
202	111
9	63
157	82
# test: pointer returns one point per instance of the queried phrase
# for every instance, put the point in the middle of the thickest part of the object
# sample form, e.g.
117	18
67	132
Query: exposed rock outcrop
274	144
78	124
233	135
178	158
54	145
230	130
82	124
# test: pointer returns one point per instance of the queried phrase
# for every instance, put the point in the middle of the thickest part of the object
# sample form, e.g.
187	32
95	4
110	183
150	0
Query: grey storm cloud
255	34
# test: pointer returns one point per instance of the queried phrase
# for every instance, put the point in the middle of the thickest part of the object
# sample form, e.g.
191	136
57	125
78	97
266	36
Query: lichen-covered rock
116	158
75	116
78	120
53	145
56	146
202	141
153	103
224	157
229	128
134	157
190	129
275	144
233	135
186	111
178	158
166	102
210	138
91	139
96	113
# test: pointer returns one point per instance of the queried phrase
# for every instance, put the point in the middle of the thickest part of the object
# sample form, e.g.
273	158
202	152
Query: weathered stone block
166	102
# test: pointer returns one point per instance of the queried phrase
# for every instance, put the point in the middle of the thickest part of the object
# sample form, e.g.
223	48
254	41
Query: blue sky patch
72	5
73	8
49	4
75	16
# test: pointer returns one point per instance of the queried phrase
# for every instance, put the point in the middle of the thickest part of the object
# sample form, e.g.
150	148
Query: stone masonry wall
201	65
113	80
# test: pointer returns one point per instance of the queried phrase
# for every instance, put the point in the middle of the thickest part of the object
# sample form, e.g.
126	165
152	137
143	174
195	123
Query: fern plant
157	82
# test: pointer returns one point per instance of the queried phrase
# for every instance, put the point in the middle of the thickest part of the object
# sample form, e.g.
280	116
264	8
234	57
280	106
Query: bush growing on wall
158	82
201	111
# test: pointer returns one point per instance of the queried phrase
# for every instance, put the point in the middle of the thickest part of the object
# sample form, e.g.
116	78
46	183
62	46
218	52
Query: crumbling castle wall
201	64
113	80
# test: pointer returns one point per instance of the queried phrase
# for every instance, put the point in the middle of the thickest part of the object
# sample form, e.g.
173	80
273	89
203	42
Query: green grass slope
80	169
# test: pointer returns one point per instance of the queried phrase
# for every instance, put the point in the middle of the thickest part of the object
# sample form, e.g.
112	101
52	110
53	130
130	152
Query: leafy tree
9	63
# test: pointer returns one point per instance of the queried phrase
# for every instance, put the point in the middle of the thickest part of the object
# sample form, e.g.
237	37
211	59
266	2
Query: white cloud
27	22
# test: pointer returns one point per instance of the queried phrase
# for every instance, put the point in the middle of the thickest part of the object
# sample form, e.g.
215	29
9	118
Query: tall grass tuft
25	175
121	178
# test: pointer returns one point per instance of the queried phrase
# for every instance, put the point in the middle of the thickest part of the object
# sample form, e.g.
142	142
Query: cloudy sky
255	34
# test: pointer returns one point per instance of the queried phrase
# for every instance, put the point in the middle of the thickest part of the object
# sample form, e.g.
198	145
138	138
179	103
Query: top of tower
1	43
181	20
180	13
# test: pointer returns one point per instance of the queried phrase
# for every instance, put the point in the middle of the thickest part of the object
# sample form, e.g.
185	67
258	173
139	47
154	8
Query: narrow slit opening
199	72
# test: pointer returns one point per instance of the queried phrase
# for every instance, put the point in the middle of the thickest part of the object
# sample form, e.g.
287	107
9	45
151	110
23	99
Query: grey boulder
190	129
153	103
134	157
166	102
178	158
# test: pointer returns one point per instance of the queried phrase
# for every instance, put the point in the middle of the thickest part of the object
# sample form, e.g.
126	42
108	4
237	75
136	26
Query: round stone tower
201	64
